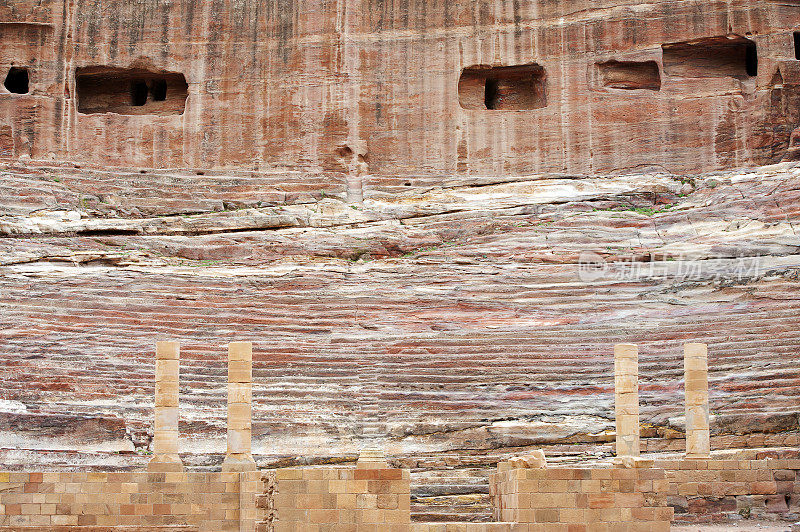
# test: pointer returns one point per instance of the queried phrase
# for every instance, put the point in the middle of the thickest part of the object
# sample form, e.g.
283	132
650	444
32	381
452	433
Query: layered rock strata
468	320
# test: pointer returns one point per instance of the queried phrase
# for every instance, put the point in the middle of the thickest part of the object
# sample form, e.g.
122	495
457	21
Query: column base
165	463
239	463
372	459
632	462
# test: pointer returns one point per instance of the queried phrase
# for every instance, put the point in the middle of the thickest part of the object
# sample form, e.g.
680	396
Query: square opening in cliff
130	91
725	56
513	88
630	75
797	45
17	81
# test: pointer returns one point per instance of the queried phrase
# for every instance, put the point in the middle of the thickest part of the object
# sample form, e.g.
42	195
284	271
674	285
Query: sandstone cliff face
466	319
407	207
408	91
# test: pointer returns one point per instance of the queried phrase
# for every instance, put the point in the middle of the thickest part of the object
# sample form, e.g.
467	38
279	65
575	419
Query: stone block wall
356	499
469	527
361	500
352	499
202	502
718	490
581	499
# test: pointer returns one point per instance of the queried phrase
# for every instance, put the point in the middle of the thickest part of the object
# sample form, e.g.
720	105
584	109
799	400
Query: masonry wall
719	490
341	498
469	527
203	502
364	87
584	498
529	500
309	499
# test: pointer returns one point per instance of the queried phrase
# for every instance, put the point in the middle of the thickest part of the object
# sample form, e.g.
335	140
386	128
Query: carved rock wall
399	204
373	87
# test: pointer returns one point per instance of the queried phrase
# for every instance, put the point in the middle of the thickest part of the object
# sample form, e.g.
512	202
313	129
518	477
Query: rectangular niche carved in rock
725	56
512	88
797	45
630	75
130	91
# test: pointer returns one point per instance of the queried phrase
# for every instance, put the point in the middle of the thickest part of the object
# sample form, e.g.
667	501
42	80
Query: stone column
626	398
165	439
695	366
240	396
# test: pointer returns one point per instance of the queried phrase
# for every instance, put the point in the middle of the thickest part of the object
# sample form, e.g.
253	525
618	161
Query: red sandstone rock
442	319
404	93
372	203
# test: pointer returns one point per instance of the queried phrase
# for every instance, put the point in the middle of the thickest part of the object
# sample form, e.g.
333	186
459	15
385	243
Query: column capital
168	350
626	351
240	351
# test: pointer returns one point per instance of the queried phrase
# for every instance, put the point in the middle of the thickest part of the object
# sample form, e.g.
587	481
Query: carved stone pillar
165	439
695	366
626	398
240	396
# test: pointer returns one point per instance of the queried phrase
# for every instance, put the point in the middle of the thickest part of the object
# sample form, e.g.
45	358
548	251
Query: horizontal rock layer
466	320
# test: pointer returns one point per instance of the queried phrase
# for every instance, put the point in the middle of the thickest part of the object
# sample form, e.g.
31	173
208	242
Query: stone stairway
460	495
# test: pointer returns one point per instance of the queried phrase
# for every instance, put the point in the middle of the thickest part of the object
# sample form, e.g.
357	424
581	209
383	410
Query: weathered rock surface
402	92
459	319
433	219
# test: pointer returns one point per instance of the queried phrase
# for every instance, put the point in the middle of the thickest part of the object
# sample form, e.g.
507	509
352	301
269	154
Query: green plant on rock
646	211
